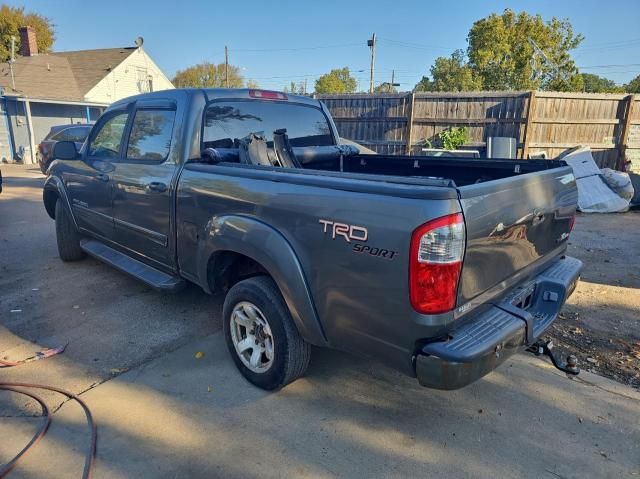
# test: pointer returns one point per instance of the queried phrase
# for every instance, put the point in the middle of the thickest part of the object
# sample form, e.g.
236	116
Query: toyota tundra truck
439	267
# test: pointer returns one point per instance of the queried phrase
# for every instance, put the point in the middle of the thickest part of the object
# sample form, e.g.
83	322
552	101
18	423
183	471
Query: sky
275	43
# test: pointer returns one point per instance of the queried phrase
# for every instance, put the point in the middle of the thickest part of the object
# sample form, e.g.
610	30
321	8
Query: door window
150	138
106	143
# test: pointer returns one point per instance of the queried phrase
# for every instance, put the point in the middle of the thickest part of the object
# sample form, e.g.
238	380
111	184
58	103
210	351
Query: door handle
157	186
102	177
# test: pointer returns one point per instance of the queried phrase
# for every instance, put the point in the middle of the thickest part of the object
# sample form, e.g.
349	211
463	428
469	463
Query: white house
39	91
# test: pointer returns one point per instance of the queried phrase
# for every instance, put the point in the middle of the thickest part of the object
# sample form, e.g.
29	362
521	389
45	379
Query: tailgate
512	223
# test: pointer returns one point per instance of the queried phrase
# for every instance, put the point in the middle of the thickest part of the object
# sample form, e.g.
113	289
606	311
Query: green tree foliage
385	87
633	86
501	56
338	80
208	75
451	74
597	84
501	53
12	18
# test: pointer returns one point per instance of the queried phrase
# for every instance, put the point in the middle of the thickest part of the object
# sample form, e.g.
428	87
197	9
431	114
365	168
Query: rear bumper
481	344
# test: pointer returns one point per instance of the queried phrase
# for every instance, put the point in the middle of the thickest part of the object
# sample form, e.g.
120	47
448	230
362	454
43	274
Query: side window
77	134
150	137
106	143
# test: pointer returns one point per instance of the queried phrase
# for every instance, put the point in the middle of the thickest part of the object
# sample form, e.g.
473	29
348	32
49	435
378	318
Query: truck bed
461	171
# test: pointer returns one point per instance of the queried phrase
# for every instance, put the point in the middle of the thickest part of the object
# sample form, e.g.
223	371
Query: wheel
67	235
261	336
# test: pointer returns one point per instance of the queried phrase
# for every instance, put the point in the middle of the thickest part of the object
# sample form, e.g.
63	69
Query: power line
319	47
419	46
610	66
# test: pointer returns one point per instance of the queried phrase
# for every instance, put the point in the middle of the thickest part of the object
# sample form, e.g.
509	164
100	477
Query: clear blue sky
276	42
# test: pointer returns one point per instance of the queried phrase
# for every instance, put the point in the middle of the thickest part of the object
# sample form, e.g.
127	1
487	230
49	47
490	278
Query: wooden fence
539	121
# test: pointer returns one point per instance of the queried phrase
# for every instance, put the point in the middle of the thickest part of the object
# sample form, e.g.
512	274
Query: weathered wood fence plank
550	121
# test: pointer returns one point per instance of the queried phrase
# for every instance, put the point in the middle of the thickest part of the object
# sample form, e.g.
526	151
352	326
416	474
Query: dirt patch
601	322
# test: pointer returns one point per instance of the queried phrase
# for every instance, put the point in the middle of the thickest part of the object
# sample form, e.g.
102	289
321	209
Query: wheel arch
52	191
261	250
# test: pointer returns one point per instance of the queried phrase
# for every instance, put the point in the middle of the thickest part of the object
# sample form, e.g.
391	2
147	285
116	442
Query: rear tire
261	336
67	235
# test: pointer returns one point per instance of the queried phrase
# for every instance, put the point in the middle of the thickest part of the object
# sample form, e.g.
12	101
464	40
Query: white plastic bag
594	194
619	182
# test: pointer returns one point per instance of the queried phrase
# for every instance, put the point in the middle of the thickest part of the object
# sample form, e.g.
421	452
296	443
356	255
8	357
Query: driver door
89	182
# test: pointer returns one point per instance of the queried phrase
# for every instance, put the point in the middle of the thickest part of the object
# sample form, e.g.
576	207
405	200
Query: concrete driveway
163	413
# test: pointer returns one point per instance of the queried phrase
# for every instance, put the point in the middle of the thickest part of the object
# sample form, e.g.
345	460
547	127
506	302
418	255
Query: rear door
513	223
143	183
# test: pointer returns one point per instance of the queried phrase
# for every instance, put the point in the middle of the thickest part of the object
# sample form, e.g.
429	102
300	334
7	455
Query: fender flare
55	184
268	247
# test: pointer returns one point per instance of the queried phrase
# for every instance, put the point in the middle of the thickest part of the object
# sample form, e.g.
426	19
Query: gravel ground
601	322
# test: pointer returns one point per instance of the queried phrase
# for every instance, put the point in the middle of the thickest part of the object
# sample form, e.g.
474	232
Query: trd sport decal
352	233
348	232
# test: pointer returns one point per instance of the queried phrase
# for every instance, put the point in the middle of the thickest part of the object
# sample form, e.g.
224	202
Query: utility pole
393	81
226	66
13	59
305	86
371	43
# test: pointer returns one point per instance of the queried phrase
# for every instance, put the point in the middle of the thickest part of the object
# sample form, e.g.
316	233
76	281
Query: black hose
41	432
90	457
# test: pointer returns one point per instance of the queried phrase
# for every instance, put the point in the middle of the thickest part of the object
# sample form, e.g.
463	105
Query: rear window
75	133
228	121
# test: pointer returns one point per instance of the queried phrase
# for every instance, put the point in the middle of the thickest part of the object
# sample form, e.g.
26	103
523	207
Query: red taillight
41	148
572	222
267	95
436	253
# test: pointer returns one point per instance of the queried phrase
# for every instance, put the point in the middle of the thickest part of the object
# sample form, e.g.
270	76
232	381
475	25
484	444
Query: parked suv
76	133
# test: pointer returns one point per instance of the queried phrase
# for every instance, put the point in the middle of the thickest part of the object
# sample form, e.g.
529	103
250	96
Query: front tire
67	235
261	336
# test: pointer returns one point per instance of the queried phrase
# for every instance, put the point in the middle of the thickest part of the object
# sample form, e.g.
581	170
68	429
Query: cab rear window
228	121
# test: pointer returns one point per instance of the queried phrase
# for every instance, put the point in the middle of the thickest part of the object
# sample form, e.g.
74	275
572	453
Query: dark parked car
76	133
439	267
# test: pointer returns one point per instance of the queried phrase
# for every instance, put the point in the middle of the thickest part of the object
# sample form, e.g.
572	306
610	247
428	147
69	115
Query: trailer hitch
546	348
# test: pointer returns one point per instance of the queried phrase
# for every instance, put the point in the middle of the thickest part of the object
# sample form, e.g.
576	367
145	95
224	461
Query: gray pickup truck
439	267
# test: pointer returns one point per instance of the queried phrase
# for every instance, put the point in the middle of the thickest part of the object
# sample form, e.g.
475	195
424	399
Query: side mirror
65	150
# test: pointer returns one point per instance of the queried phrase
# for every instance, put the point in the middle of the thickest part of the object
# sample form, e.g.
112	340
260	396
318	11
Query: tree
424	85
295	88
208	75
338	80
501	52
633	86
451	74
385	87
12	18
597	84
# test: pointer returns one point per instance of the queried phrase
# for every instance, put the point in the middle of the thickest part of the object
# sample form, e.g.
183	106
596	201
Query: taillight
437	249
572	222
41	148
267	95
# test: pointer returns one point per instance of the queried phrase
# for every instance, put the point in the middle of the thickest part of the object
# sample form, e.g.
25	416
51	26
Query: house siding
43	117
127	79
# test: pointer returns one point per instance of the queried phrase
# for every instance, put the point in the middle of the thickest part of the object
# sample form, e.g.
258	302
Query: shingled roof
67	76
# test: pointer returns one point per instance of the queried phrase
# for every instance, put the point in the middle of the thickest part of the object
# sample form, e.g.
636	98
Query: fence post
527	126
624	136
410	124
